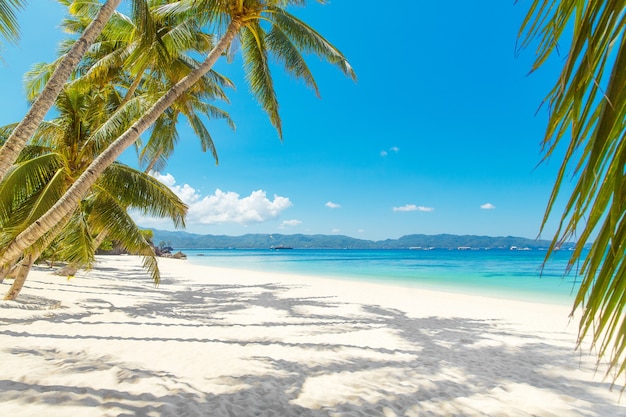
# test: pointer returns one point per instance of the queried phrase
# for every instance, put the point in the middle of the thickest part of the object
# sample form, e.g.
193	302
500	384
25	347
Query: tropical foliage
14	144
9	28
144	56
60	150
102	99
231	18
587	120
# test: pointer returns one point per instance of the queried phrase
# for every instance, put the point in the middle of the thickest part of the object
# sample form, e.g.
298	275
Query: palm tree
151	55
102	212
9	28
286	39
87	124
60	151
17	140
588	118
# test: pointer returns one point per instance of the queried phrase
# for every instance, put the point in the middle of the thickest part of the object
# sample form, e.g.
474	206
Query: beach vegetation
13	145
58	152
587	120
111	97
286	39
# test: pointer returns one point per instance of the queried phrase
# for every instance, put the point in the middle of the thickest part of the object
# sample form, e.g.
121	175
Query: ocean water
501	273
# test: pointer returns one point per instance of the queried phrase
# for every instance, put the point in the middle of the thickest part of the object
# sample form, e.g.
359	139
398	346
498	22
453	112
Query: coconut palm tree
86	111
287	38
60	150
152	54
17	140
588	120
103	211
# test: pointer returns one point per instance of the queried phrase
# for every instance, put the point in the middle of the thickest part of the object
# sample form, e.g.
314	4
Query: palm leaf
109	215
25	179
36	204
290	56
587	117
308	40
9	27
134	189
76	241
258	73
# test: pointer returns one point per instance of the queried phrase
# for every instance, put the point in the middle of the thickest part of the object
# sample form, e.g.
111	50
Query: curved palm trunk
152	163
99	239
133	87
70	199
8	271
24	130
34	255
20	278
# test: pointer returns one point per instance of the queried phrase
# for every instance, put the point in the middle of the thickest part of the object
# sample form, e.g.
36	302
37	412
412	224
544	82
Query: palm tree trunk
20	278
133	87
35	253
152	163
7	271
24	130
83	184
99	239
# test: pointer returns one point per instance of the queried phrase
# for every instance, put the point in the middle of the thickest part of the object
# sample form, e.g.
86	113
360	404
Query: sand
227	342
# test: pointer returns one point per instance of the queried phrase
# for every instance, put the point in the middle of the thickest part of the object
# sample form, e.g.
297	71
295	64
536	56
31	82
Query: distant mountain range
185	240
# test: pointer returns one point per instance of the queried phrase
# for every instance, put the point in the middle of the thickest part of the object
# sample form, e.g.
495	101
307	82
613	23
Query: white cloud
406	207
335	230
226	207
167	179
488	206
413	207
393	149
184	192
332	205
290	223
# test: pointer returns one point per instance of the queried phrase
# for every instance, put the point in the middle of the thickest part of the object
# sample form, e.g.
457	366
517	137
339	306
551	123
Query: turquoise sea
501	273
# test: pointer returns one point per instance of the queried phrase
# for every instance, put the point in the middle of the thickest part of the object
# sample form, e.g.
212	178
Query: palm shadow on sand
435	366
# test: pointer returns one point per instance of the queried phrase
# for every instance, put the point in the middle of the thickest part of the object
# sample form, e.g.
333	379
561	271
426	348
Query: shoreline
438	284
223	342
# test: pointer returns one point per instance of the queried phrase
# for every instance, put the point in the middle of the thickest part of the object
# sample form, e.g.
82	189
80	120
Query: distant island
185	240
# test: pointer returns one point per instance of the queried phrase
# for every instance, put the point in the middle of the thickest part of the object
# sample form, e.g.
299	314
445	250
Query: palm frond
77	241
25	179
135	189
308	40
160	145
36	78
9	28
206	141
216	13
118	122
213	112
588	117
34	205
113	218
282	47
258	73
5	132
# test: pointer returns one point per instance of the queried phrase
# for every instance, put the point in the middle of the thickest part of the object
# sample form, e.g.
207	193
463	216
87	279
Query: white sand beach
232	343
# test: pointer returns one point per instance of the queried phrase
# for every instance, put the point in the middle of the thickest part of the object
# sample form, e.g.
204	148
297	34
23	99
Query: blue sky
440	134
